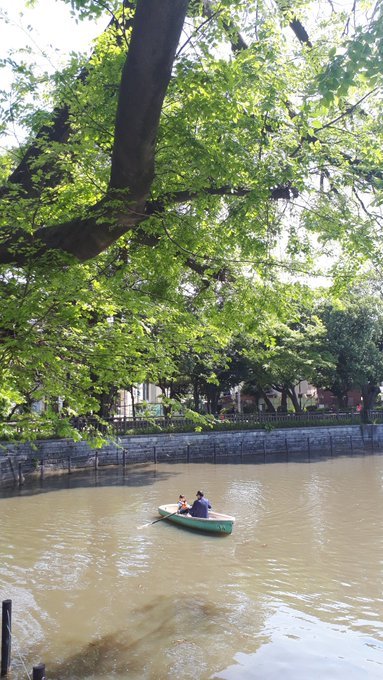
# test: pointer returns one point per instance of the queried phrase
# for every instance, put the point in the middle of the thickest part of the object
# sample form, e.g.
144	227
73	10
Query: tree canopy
205	158
354	334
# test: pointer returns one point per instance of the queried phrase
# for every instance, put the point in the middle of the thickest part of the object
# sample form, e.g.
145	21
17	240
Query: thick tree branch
155	35
156	31
300	32
86	238
283	191
82	238
236	40
294	23
23	175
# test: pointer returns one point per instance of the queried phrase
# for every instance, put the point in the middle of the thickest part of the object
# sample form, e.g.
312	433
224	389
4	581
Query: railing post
6	636
38	672
12	469
20	475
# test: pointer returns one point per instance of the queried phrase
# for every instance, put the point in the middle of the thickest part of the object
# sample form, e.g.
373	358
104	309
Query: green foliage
354	334
215	279
295	351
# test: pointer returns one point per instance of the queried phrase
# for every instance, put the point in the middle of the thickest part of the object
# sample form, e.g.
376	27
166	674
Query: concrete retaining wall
18	461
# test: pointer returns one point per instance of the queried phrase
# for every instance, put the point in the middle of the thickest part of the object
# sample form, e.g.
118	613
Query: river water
295	593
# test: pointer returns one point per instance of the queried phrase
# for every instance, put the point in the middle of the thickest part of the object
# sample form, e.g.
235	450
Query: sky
51	24
51	32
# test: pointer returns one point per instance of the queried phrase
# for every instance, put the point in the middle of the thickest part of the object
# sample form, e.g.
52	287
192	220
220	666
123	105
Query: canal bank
20	461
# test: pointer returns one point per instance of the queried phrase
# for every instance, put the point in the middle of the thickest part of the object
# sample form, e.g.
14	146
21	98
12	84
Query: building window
145	391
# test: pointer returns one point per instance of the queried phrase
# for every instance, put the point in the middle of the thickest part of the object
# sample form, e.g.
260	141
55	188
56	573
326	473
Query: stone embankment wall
20	461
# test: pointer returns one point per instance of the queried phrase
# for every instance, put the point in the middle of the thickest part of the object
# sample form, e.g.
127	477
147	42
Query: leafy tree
354	336
229	371
295	352
160	177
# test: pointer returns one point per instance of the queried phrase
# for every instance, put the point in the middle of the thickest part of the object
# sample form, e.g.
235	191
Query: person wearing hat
200	507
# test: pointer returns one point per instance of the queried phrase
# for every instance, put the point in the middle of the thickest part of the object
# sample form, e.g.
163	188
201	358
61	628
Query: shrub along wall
19	461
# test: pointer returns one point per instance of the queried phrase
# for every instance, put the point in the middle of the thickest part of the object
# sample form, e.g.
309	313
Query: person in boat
183	505
200	507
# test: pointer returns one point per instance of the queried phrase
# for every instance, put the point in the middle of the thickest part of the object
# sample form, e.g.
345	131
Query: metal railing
120	426
123	425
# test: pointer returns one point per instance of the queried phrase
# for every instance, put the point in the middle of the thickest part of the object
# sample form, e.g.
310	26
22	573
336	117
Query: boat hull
216	523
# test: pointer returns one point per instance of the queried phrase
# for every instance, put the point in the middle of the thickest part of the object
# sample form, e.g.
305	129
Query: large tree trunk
131	391
284	400
167	408
369	393
294	399
212	398
270	408
107	401
214	401
196	394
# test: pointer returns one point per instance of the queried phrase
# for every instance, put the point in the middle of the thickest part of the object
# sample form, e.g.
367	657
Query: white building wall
146	394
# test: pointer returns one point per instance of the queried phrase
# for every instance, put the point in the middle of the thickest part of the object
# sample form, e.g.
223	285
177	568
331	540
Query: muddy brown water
295	593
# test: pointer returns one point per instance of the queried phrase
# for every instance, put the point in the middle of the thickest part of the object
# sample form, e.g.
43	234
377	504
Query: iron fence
120	426
124	425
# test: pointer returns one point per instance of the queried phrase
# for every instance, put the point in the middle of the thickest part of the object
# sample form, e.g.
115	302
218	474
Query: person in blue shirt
200	507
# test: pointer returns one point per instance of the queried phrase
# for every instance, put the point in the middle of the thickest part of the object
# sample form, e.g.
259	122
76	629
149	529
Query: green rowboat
216	523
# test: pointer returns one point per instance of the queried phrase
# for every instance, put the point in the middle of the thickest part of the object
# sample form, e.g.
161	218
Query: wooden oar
158	520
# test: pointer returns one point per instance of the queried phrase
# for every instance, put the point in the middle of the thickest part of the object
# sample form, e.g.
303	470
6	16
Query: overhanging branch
155	35
146	73
283	191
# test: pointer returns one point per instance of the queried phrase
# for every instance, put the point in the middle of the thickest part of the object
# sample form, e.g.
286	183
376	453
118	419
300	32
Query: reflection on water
294	593
302	647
